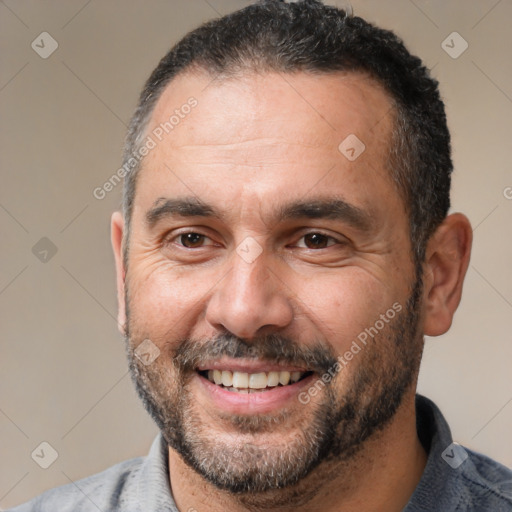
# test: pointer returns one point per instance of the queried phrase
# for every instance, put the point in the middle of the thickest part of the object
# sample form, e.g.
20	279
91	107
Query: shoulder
486	484
108	490
456	478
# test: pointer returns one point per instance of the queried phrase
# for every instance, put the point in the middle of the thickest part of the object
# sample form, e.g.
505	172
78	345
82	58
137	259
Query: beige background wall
63	374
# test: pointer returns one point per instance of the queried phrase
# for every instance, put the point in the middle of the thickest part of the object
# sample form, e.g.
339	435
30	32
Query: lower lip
252	403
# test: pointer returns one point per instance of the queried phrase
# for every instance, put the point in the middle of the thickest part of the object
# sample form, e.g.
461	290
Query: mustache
272	348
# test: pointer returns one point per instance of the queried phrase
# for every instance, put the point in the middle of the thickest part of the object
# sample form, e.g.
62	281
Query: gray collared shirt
455	479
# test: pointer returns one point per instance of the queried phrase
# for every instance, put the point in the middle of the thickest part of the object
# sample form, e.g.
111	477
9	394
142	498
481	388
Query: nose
250	300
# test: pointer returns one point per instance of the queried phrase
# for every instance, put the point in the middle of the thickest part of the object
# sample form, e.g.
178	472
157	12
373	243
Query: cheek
344	305
163	304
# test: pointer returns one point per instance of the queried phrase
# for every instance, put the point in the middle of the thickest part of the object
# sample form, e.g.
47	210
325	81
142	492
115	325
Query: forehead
314	108
259	134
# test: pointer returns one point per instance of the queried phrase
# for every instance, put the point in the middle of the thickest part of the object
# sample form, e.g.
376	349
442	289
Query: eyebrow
321	208
333	209
179	207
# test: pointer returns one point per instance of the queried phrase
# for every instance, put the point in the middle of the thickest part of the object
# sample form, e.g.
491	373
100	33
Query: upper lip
248	366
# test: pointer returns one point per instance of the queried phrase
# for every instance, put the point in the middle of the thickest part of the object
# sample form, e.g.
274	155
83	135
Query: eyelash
180	235
329	238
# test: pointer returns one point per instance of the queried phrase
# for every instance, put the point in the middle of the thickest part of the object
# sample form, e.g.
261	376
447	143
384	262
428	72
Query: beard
267	452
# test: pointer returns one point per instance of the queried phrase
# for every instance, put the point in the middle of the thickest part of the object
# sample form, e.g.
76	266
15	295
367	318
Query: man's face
258	250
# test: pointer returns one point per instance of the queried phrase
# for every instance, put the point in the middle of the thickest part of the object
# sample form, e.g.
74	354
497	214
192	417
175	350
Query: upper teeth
260	380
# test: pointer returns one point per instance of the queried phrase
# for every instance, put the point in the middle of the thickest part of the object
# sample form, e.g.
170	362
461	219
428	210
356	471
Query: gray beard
334	431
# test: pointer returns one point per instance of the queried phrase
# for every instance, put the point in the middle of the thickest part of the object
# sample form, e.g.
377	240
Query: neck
383	474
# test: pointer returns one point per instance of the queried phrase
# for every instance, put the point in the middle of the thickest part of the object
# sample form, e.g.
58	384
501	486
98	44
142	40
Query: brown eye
192	240
316	241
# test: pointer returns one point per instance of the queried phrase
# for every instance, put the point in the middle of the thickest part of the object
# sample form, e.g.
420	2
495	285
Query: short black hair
309	36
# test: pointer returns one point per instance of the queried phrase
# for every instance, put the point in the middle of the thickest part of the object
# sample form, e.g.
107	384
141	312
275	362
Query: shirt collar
154	492
439	486
153	488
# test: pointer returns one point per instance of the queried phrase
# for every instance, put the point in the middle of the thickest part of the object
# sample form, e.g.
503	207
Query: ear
116	237
447	260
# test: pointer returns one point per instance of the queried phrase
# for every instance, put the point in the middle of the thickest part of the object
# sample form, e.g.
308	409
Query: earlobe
116	237
447	260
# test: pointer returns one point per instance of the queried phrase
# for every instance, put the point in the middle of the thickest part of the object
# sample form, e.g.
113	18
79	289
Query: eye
192	240
316	241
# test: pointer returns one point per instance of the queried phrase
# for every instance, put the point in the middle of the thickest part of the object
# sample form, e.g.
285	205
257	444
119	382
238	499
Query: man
283	248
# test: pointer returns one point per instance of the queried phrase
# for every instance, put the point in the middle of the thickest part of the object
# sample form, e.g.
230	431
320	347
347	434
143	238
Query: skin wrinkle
313	208
291	304
250	423
189	361
259	137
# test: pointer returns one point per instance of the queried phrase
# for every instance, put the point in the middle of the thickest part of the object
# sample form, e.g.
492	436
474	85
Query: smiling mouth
241	382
